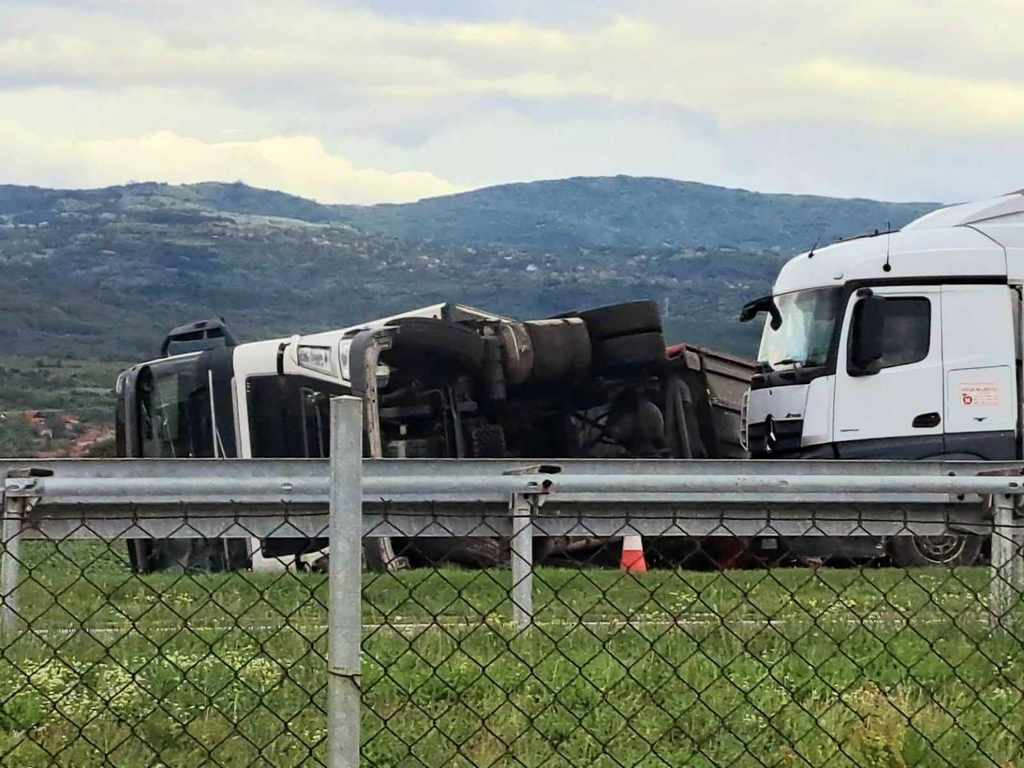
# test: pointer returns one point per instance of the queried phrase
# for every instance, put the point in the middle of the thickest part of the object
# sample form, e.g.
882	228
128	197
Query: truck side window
908	331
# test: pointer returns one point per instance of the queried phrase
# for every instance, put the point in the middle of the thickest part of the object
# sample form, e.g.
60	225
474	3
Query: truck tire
561	349
516	352
379	554
213	555
472	552
629	351
949	551
621	319
424	340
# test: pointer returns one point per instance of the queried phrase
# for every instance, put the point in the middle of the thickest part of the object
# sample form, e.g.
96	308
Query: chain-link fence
103	663
725	652
810	615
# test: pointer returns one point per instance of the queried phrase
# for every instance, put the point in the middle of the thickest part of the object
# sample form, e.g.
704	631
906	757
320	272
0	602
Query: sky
396	100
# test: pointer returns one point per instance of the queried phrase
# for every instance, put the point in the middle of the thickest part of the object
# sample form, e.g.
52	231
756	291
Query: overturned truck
443	381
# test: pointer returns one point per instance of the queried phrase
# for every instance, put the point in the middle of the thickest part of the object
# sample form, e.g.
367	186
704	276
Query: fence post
523	508
522	559
10	565
1006	568
345	600
14	509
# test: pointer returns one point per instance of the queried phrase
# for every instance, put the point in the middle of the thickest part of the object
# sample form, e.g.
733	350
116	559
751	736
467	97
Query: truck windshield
805	336
173	404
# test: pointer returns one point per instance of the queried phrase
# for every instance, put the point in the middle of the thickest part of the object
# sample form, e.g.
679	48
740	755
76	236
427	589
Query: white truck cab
897	345
902	345
220	399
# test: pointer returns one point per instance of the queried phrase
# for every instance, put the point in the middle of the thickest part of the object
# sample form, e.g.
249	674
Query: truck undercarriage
596	384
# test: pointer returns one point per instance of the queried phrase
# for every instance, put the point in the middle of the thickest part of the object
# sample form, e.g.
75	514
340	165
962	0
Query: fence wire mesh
727	651
191	664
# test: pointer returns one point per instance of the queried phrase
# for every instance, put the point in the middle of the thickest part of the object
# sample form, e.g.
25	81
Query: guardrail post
523	507
522	559
1006	559
10	565
345	602
15	507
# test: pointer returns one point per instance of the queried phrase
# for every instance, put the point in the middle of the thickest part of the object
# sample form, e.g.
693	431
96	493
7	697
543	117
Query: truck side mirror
765	304
867	331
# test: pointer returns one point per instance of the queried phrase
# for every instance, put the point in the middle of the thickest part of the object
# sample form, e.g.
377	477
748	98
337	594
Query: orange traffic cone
633	555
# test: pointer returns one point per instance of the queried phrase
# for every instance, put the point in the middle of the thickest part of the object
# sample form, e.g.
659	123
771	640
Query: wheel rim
940	549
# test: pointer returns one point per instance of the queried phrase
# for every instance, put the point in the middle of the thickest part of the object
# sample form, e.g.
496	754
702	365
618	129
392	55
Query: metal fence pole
522	559
10	565
1005	554
345	602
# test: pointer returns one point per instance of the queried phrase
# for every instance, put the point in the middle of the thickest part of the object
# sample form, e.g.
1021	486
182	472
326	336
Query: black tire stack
561	349
624	336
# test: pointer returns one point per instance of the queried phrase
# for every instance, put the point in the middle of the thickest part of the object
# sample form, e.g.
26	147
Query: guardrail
352	498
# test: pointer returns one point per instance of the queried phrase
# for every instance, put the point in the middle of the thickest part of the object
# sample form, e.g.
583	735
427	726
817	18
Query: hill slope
630	212
104	273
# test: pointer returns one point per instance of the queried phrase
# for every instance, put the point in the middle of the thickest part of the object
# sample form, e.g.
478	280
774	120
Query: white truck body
947	290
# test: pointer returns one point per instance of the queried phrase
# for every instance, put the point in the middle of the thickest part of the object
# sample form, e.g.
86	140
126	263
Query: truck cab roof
982	240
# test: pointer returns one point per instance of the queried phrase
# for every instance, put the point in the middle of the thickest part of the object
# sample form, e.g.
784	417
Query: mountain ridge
659	211
515	201
104	272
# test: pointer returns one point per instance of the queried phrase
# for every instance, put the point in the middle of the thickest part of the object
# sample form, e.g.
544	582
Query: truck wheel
379	555
373	559
950	550
621	319
473	552
627	351
427	341
516	352
561	348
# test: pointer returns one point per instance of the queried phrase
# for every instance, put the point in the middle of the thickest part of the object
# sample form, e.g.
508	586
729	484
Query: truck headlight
316	359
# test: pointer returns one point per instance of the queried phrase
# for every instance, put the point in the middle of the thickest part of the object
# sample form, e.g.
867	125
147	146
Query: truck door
979	357
896	408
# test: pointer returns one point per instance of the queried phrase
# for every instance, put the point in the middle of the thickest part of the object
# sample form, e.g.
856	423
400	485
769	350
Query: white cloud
398	91
296	164
935	104
737	60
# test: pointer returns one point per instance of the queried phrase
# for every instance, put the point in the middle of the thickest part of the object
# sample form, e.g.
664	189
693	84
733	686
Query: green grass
789	667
